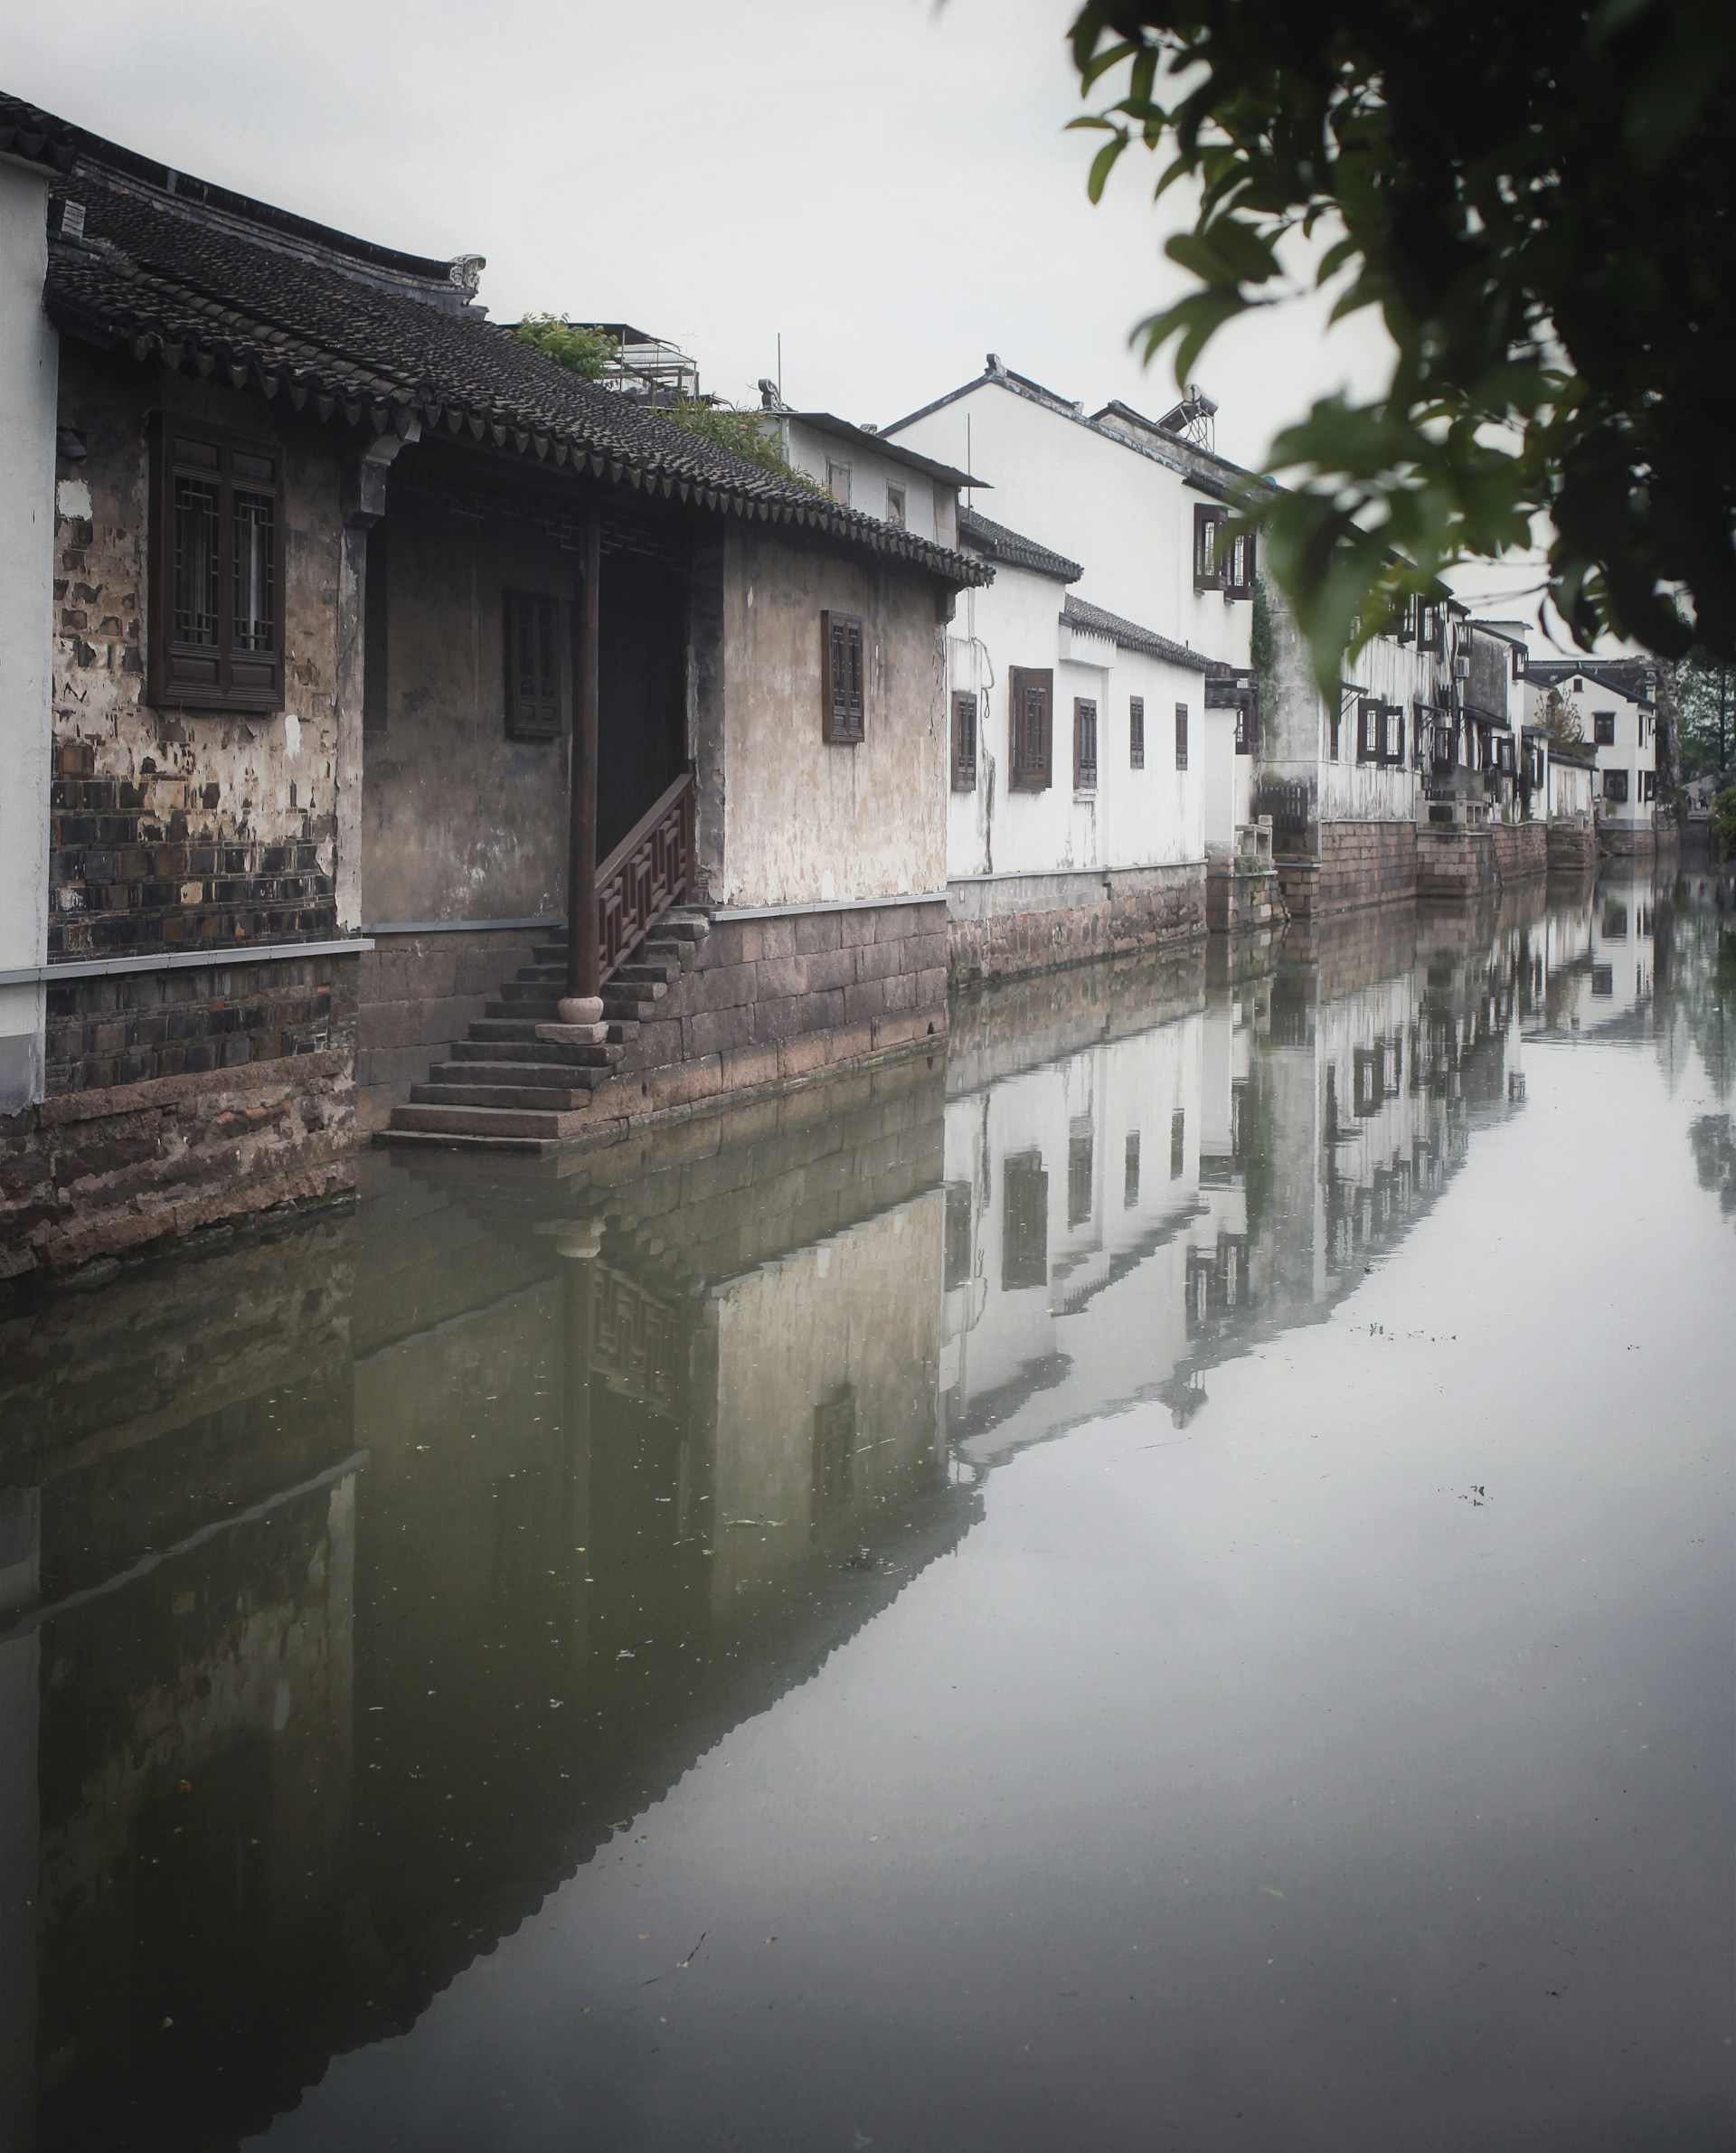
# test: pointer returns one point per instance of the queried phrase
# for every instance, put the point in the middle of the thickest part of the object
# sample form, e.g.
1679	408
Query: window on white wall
895	506
837	482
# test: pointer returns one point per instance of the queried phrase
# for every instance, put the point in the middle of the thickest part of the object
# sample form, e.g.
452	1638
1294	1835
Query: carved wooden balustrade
649	871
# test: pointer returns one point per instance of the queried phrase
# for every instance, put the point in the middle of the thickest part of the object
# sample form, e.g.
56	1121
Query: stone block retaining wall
1003	926
101	1173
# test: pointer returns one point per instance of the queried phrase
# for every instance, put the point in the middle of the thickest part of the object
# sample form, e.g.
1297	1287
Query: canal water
1160	1578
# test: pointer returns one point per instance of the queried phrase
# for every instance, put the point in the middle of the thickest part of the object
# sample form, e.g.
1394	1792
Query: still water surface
1161	1579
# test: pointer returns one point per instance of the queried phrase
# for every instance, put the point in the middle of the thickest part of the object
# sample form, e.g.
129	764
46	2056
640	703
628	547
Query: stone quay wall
1571	847
1003	927
109	1172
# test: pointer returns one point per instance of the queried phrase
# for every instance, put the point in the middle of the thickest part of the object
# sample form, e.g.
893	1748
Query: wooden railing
650	869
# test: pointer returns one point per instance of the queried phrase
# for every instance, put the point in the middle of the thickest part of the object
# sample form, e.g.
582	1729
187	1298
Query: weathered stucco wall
805	822
460	821
171	829
28	360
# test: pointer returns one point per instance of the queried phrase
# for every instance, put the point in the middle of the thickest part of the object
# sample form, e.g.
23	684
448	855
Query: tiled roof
35	136
282	314
998	543
1129	636
1625	676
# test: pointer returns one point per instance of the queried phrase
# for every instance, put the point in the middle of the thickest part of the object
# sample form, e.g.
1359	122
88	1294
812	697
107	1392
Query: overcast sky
885	183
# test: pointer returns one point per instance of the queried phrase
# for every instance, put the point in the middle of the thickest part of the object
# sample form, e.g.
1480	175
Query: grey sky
885	183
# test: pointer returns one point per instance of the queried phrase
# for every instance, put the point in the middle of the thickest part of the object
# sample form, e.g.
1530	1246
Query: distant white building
1617	702
1095	731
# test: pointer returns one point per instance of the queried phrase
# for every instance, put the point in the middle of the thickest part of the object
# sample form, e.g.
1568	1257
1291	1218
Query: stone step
547	1051
489	1121
622	1032
536	1076
566	1100
537	1011
434	1140
656	977
625	1009
521	1024
531	990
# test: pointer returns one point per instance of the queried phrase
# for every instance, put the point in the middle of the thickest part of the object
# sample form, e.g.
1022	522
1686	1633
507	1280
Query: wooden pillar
582	1002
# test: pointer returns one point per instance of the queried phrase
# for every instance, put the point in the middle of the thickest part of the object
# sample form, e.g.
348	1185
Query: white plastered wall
29	366
1094	498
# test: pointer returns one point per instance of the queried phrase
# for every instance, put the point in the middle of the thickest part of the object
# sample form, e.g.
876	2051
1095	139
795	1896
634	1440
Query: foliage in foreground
1540	201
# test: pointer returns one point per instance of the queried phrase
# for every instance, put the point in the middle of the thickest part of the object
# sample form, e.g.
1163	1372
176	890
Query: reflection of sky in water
1162	1579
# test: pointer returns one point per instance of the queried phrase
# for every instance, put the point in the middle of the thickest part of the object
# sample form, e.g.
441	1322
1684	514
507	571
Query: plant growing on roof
586	351
743	433
1539	202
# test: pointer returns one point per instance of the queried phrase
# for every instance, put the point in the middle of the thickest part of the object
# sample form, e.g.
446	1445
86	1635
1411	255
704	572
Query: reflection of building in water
342	1617
1603	966
1129	1205
176	1623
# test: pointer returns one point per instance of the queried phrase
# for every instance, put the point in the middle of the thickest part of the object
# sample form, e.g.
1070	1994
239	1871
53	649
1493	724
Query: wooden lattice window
1369	734
964	740
1084	744
1208	533
1180	736
1603	729
1030	702
1615	787
216	615
535	673
1238	565
842	687
1136	732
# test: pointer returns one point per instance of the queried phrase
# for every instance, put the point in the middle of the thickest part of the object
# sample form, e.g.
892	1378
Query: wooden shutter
843	689
1368	729
1208	522
1136	732
1180	736
216	612
1084	744
964	741
1392	732
531	634
1030	702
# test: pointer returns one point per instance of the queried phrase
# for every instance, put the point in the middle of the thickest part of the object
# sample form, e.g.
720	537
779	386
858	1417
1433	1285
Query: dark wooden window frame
1031	728
1180	736
965	720
216	668
1603	729
1371	730
1085	743
1136	732
1247	729
1209	520
1392	734
1614	787
1239	569
535	630
844	680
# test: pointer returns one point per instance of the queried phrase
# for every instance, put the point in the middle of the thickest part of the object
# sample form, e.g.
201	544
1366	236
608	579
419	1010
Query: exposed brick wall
1521	850
133	1027
151	863
1572	847
1147	908
100	1173
171	829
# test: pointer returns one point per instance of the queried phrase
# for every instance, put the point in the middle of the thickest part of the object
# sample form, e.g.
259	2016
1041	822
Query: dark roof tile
1129	636
998	543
